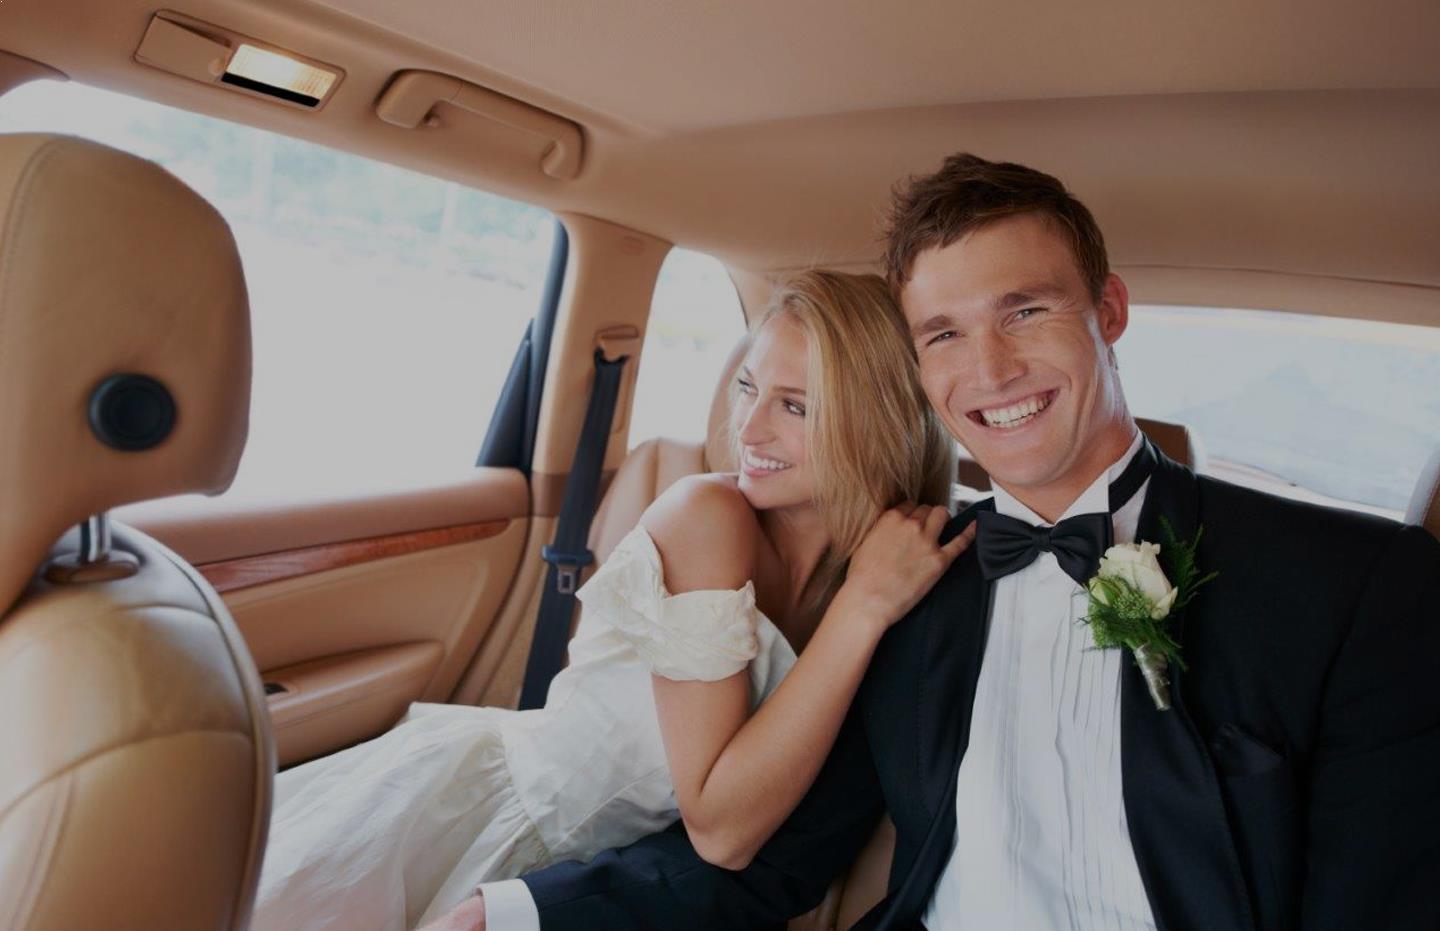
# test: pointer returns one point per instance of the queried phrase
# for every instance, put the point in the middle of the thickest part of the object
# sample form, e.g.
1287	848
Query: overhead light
208	53
268	72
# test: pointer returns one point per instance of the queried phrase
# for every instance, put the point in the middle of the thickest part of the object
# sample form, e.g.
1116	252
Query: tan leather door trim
232	574
340	699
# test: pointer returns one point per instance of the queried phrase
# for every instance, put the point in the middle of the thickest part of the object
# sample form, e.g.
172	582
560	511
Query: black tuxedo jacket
1295	783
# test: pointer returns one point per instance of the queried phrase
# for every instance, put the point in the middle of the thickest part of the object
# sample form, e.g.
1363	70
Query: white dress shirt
1041	840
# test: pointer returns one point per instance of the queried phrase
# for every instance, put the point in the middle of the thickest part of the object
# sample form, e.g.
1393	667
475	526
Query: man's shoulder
1229	507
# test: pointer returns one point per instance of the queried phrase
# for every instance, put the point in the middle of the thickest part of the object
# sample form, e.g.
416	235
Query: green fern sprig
1122	619
1177	558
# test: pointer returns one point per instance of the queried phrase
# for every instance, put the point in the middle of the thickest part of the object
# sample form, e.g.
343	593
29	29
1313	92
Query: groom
1294	781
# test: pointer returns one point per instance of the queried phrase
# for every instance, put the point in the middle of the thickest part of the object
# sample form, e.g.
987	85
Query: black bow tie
1005	544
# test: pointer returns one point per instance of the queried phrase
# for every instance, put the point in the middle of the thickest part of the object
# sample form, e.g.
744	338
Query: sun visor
206	53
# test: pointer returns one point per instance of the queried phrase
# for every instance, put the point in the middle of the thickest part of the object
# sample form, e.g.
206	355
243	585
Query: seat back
655	465
135	782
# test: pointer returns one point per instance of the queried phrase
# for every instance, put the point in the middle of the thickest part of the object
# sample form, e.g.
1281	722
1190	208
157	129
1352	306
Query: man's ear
1113	311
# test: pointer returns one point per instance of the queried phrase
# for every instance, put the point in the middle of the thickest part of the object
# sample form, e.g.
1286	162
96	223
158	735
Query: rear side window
695	320
385	304
1319	408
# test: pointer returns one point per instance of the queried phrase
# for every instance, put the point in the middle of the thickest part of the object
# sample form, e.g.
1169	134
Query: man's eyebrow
1030	295
931	325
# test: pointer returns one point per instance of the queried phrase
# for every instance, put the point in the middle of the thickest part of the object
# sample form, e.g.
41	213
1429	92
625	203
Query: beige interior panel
431	595
609	282
337	700
498	670
1262	144
212	531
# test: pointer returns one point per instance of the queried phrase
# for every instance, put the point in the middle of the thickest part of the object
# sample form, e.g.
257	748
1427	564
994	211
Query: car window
385	304
695	320
1337	408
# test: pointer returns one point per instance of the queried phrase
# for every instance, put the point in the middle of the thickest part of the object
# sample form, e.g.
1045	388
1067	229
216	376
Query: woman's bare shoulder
706	532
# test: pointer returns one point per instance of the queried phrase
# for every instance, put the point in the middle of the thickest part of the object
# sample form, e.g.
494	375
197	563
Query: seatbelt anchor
618	342
567	566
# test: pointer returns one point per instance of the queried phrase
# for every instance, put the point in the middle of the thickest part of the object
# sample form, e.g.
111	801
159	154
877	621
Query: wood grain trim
231	574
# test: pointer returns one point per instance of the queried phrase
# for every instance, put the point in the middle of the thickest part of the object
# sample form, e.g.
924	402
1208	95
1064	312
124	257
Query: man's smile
1013	414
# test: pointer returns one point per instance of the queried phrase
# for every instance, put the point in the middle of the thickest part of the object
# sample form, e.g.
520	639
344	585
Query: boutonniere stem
1138	588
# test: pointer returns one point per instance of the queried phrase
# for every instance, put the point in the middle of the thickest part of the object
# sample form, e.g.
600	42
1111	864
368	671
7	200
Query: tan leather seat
656	464
136	770
1424	509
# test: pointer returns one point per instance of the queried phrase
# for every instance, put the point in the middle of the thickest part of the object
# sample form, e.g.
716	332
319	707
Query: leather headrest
109	266
719	444
1424	510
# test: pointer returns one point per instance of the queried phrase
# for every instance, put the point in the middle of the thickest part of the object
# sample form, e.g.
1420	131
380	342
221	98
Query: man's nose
995	362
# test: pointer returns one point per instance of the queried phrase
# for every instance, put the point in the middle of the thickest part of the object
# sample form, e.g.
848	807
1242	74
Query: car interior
1264	173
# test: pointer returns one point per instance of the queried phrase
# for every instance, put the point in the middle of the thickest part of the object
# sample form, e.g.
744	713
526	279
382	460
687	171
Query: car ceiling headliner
1291	138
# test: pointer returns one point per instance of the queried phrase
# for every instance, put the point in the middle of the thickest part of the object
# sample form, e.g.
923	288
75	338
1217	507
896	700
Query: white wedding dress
394	832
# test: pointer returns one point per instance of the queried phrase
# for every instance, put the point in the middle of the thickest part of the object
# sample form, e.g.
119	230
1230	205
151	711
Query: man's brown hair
969	192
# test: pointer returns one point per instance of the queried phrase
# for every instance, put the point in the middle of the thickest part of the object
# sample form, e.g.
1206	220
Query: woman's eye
745	386
795	409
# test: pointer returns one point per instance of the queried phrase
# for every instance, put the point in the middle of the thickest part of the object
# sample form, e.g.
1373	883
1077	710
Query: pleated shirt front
1041	839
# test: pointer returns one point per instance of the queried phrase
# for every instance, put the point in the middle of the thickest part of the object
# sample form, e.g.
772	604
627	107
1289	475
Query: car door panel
357	607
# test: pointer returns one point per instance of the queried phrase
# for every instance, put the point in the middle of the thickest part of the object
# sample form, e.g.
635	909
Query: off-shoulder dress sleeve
700	635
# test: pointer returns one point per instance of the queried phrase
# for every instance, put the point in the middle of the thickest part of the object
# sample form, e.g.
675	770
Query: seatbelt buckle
567	566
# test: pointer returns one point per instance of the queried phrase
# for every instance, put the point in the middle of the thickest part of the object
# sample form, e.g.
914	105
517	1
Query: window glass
385	304
695	320
1331	408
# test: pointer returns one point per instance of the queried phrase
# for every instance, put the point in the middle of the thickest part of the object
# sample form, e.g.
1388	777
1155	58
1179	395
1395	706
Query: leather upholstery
135	782
1424	509
108	264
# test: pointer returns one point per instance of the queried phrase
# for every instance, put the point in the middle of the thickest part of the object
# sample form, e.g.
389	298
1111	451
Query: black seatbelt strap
570	552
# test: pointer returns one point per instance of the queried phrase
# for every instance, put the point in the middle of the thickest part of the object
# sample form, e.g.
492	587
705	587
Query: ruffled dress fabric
394	832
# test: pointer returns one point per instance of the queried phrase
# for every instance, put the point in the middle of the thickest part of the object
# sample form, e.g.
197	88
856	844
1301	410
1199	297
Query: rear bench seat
656	464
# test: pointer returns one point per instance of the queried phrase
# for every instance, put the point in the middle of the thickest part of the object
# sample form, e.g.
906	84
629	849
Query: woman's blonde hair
871	438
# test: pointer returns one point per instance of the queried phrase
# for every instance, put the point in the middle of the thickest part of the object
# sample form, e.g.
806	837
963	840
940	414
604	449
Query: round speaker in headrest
131	412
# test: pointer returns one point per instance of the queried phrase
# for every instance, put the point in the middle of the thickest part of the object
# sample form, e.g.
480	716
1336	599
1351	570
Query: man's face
1014	354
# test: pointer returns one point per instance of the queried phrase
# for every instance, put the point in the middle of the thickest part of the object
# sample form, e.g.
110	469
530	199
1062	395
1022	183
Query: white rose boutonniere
1133	595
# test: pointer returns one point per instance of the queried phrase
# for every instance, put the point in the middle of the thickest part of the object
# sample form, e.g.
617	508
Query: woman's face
769	418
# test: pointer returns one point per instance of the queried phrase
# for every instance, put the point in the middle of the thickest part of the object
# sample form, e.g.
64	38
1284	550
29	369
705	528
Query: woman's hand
898	562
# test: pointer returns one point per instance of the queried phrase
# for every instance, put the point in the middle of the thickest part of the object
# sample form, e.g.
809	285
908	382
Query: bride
684	696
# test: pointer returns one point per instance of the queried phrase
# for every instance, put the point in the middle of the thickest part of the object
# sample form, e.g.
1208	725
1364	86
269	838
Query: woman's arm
737	777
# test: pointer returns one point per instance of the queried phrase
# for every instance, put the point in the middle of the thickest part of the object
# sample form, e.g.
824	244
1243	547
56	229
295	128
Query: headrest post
95	538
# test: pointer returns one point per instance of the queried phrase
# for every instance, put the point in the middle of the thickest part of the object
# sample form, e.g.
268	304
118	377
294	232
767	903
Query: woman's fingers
961	543
935	522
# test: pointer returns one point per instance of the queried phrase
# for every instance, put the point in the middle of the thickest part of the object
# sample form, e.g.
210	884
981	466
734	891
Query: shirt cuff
509	906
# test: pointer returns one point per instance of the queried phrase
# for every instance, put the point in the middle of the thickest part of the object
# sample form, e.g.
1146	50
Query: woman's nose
754	425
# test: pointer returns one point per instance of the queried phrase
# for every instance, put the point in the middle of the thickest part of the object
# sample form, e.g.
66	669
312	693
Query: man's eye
1028	312
940	337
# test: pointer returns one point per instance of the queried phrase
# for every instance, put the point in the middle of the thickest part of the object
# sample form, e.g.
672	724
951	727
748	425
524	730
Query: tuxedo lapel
953	624
1176	815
